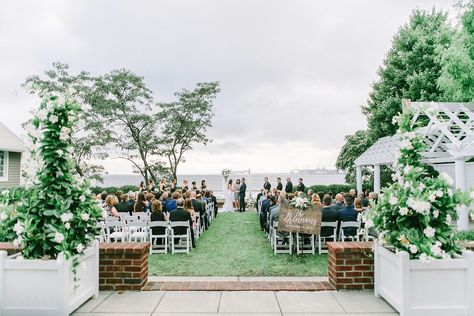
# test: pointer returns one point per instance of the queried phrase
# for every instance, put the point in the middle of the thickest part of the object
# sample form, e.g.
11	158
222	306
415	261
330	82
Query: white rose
393	200
429	231
18	228
66	217
424	258
82	198
436	250
421	186
58	237
413	249
3	216
60	152
439	193
403	211
53	119
67	225
446	177
432	197
79	248
435	213
85	217
42	114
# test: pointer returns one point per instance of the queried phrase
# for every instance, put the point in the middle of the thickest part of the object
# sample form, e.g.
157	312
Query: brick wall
9	248
351	265
123	266
470	245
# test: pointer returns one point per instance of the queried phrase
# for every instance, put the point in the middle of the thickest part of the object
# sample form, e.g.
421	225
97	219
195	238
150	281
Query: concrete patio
149	303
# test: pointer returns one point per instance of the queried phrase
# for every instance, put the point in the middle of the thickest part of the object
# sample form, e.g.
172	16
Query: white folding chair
143	216
281	244
332	225
156	247
137	231
186	238
197	226
342	234
101	237
301	247
115	230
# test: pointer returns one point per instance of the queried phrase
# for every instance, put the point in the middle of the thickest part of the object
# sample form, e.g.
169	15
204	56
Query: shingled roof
9	141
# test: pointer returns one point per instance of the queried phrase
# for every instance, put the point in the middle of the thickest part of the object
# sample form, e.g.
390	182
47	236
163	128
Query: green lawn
235	246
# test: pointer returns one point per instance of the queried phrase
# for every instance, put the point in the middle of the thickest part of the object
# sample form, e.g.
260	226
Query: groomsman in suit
243	188
266	185
289	185
279	186
300	187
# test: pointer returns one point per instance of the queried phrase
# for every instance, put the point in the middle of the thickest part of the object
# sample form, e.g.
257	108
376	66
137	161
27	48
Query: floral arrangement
9	202
301	203
226	174
417	212
56	215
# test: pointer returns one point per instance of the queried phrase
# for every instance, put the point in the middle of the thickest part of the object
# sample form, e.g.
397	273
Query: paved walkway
238	303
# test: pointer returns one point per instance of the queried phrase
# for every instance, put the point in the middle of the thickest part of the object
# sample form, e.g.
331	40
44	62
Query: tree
409	71
457	76
186	120
59	82
129	116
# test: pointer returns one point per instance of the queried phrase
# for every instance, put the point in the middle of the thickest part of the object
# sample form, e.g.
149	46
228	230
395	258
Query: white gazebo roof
381	153
9	141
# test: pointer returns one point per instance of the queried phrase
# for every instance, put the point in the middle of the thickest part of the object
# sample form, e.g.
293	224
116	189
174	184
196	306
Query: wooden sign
295	220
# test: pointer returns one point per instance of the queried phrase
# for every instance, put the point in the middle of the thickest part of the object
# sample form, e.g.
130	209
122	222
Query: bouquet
301	203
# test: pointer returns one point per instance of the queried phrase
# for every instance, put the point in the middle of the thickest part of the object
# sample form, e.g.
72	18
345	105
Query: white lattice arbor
448	132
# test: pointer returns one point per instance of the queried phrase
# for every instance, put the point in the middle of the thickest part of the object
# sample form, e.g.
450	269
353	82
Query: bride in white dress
229	198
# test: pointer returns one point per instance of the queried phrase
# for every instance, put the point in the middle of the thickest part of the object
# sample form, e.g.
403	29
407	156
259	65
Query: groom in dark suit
243	188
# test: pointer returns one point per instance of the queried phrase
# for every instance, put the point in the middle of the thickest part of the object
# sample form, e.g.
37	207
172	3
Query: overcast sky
293	73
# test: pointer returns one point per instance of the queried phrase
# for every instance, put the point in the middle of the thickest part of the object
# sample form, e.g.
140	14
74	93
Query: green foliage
125	189
457	77
234	245
333	189
417	213
354	147
10	200
186	120
57	215
466	235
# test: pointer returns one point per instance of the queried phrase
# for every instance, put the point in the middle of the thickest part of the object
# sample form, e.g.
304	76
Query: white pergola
448	135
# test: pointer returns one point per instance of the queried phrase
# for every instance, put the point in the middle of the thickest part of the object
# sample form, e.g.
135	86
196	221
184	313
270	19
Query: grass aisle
235	246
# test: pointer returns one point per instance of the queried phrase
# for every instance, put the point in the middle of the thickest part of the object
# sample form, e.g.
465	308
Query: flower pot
436	288
46	287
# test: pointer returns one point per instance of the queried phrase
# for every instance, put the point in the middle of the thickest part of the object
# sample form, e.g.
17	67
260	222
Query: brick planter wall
123	266
351	265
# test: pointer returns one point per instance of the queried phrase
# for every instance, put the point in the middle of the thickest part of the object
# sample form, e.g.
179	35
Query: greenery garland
417	213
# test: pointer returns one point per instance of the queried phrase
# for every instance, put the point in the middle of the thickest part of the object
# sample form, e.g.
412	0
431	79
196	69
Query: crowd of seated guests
162	203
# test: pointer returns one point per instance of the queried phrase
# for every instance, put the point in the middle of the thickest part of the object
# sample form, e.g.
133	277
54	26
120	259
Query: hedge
333	189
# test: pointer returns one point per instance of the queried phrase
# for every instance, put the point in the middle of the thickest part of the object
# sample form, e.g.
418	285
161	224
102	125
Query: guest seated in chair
180	214
348	214
124	206
157	215
329	215
339	204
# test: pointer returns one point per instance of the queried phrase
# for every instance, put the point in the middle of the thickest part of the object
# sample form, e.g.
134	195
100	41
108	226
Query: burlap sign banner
295	220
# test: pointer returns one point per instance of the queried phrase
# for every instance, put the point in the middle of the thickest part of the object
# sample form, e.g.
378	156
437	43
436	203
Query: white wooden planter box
46	287
437	288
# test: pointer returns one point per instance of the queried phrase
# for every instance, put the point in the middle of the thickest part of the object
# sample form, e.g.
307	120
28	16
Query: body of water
216	181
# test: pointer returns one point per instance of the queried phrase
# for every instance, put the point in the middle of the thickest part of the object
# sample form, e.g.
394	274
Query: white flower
407	169
436	249
66	217
435	213
67	225
42	114
393	200
395	120
18	228
60	152
439	193
369	224
58	237
17	241
5	192
85	217
82	198
432	197
419	206
450	192
447	178
424	258
410	135
403	211
406	144
79	248
64	134
3	216
429	232
449	219
413	249
53	118
421	186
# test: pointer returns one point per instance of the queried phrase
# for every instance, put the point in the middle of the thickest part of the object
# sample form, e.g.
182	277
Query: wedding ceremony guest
275	210
194	186
373	197
199	207
329	215
358	205
353	193
110	201
289	185
179	215
316	200
301	187
259	195
203	185
339	204
171	203
188	206
279	185
310	193
148	198
140	204
151	186
241	193
266	185
163	185
142	186
118	194
236	194
264	210
185	187
157	215
123	206
348	214
214	201
103	196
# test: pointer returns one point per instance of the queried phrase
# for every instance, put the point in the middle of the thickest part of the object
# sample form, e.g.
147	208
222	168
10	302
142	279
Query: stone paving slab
186	302
308	302
249	302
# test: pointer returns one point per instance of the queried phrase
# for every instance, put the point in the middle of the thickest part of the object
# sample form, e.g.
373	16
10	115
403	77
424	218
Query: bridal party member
266	185
288	186
203	185
194	186
151	187
142	186
185	186
279	186
163	185
301	187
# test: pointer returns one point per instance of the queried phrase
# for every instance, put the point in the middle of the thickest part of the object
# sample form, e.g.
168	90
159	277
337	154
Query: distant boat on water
317	171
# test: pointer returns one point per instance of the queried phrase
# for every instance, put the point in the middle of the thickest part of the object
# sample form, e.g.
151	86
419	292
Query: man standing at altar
301	187
279	186
266	185
289	185
242	189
